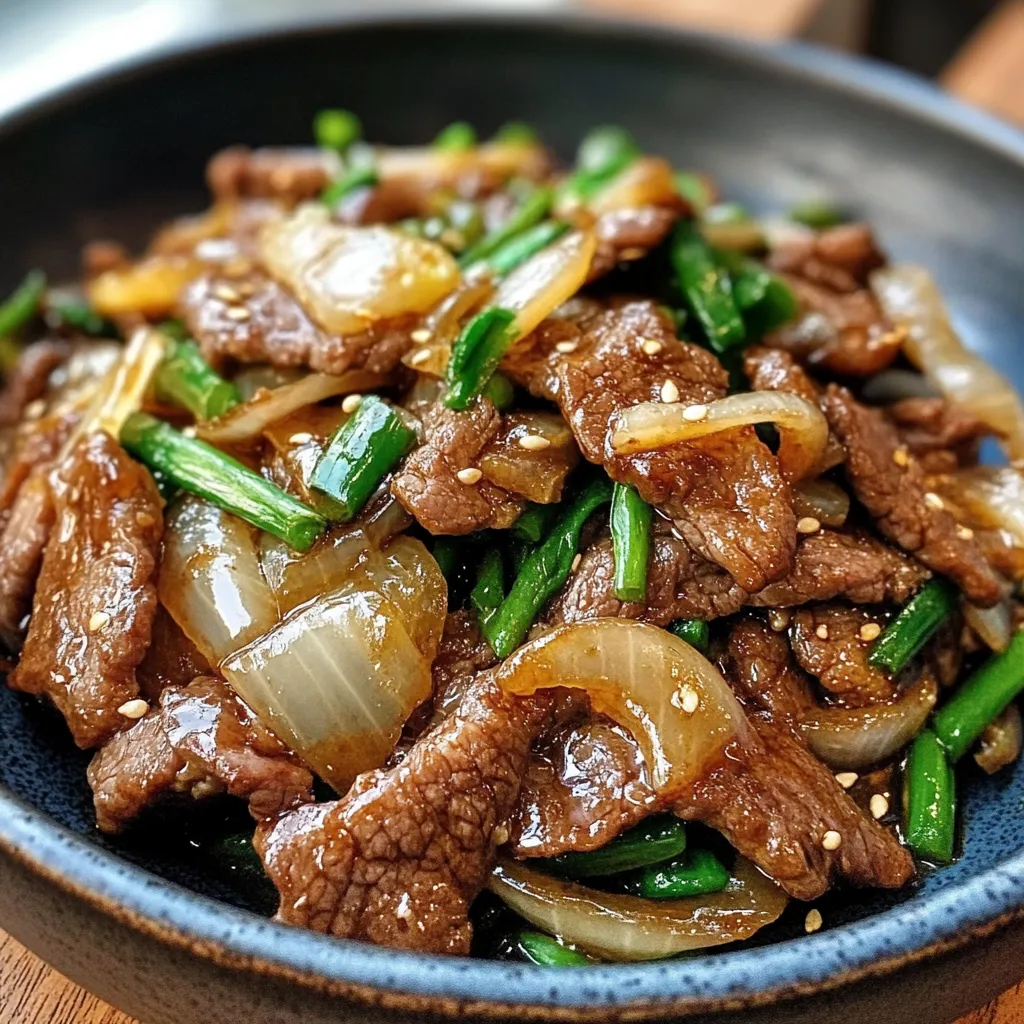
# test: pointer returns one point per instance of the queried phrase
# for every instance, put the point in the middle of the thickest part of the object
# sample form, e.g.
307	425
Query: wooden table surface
989	71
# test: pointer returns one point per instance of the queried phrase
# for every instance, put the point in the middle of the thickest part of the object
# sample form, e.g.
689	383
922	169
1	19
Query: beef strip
827	643
777	806
772	798
171	659
200	740
462	654
848	564
253	319
839	327
21	553
630	234
399	860
28	380
95	600
942	436
681	585
428	485
724	491
892	487
289	175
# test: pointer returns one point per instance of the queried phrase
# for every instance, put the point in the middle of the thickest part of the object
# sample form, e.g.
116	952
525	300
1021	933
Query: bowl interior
129	153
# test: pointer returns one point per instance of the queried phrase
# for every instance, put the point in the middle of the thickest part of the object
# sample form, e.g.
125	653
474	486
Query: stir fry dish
563	555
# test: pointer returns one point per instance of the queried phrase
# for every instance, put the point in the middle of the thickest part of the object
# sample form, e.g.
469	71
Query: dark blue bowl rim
918	929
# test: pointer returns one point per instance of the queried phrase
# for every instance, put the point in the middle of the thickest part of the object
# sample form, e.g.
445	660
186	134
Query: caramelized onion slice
349	278
149	288
823	500
1000	743
647	181
431	169
993	625
620	927
803	430
847	738
536	288
672	699
993	496
537	473
210	579
335	680
246	422
910	297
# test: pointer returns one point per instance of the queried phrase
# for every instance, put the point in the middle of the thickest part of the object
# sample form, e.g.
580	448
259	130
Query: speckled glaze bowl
145	924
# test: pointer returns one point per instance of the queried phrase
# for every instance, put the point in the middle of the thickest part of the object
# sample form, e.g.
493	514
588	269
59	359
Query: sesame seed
822	632
133	708
669	392
695	413
534	443
691	699
847	779
808	525
566	347
870	631
227	293
832	840
143	519
237	313
576	561
35	409
652	347
452	238
245	289
879	806
189	431
779	619
97	621
813	921
932	500
419	357
500	835
351	403
302	437
965	533
470	475
408	279
901	457
421	335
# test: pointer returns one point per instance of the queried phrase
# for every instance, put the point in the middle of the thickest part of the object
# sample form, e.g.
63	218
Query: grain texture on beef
839	327
399	860
286	174
828	564
892	487
253	319
827	642
724	491
94	604
942	436
772	798
200	740
428	483
21	552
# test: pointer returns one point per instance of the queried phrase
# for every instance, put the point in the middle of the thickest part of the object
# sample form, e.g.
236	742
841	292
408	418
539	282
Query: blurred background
974	47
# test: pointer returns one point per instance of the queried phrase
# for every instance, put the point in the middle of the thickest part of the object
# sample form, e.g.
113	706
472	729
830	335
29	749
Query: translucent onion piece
1000	743
327	566
336	680
432	169
124	389
910	297
255	377
803	431
823	500
619	927
536	288
442	324
349	278
247	421
149	288
183	234
895	385
994	496
538	475
648	181
210	579
673	700
847	738
993	625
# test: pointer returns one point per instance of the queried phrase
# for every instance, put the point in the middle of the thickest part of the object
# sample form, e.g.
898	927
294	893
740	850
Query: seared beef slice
96	597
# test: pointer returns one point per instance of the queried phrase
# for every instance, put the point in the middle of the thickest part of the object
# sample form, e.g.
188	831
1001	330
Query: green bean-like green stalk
631	542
